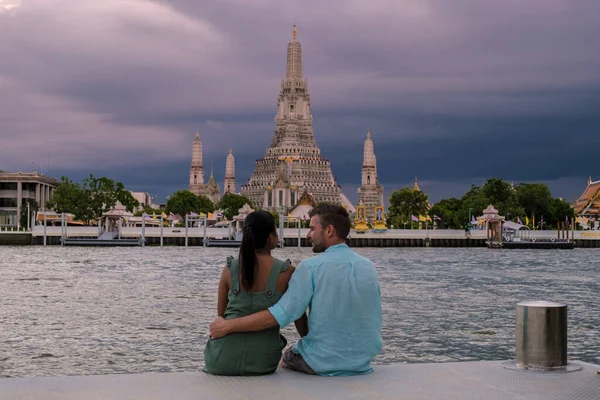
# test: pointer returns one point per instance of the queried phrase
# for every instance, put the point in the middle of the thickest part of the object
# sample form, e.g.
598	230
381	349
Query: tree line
93	197
531	202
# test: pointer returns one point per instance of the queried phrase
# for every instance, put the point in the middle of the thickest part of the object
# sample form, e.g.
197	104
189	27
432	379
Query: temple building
19	188
416	185
588	204
197	185
370	193
197	168
211	189
303	207
293	163
229	184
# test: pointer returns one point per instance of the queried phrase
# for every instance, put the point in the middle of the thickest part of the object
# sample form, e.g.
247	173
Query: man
341	291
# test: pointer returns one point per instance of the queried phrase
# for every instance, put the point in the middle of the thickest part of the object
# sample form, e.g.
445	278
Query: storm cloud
453	91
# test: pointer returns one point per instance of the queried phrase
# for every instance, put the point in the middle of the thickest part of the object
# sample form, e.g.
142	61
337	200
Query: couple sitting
259	294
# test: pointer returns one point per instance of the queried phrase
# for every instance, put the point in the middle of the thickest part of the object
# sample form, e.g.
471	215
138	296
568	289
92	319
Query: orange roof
589	201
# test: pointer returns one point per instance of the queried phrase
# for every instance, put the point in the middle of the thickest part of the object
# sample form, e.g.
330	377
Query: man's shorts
295	362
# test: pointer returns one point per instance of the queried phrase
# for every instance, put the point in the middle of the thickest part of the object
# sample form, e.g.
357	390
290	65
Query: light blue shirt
341	290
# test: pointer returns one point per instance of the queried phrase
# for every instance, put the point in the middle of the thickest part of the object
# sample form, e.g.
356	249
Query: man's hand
219	328
250	323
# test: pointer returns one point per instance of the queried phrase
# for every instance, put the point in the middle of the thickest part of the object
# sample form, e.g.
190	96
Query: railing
12	229
92	231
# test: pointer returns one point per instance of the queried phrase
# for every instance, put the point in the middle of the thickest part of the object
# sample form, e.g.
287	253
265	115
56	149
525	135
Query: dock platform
463	380
221	243
101	242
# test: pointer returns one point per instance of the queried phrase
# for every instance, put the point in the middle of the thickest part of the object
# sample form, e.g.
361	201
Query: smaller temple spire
197	151
196	168
590	180
369	158
229	186
416	185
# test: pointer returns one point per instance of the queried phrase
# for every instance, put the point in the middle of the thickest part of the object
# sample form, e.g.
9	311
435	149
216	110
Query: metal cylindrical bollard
541	335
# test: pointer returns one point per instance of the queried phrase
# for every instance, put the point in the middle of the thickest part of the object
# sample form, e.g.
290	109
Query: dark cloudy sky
454	91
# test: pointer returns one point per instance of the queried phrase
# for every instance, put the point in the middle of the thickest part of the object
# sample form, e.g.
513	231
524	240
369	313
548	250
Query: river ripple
80	311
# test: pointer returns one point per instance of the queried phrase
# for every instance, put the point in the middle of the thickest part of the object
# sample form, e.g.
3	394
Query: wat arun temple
293	163
292	168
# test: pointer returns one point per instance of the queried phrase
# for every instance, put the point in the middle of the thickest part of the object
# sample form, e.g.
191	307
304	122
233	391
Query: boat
538	243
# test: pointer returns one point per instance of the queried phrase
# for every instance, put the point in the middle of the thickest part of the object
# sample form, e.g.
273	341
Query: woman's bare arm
224	286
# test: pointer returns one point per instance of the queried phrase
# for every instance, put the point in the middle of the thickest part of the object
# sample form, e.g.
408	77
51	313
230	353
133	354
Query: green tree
68	197
404	203
446	210
473	200
559	210
494	191
230	204
184	202
91	199
102	195
502	196
276	216
536	200
205	205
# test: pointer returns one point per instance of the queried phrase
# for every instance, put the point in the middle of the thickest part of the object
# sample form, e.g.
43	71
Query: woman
253	282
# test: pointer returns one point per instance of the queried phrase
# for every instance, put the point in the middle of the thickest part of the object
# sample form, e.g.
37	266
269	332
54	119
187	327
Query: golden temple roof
589	201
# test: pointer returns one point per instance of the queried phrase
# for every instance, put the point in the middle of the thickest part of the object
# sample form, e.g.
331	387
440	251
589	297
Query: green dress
247	353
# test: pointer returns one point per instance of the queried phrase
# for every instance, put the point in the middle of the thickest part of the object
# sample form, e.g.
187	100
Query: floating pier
540	244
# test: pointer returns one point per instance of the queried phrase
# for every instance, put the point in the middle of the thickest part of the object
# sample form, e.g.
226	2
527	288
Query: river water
80	311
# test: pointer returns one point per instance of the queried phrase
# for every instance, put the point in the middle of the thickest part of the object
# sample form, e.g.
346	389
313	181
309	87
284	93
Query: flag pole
162	223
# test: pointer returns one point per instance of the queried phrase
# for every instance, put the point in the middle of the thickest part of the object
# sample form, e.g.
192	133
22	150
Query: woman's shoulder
285	274
231	260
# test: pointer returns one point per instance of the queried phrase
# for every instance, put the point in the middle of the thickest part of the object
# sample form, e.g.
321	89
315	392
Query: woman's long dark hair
258	225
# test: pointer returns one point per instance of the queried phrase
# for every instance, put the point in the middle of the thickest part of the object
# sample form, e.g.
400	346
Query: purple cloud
127	84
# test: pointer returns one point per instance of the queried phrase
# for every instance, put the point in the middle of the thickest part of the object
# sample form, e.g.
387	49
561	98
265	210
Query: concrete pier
466	380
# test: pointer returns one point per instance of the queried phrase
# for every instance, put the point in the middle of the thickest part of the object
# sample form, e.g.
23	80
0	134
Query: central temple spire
294	58
292	164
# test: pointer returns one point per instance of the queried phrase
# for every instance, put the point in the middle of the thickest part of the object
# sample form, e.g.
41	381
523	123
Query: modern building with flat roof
16	188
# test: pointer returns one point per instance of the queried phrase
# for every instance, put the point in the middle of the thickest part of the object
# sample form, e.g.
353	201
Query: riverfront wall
15	238
195	236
